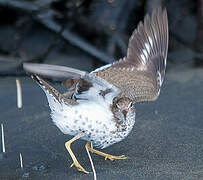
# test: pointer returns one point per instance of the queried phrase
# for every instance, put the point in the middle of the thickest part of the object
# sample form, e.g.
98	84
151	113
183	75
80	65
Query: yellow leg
105	155
75	161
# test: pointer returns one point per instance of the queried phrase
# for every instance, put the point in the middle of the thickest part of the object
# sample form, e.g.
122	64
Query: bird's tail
53	96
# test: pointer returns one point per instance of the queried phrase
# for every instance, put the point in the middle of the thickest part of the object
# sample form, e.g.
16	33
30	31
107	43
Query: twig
21	161
91	162
3	139
19	94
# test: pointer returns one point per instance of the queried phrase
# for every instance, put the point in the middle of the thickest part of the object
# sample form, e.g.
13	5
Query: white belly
94	119
91	118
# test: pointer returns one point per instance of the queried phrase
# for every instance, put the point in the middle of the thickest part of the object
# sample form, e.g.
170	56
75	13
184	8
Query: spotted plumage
99	107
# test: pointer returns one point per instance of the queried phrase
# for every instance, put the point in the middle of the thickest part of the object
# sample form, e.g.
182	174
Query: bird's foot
111	157
105	155
79	167
75	161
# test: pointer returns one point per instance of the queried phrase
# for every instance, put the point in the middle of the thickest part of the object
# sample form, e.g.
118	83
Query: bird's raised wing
140	74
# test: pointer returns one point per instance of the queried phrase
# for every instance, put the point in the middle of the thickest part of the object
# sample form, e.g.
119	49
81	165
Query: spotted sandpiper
99	106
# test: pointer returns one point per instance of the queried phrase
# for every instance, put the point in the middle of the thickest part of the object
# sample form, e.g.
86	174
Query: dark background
60	32
167	140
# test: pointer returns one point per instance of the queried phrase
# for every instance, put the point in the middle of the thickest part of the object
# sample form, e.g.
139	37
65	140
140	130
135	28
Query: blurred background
88	33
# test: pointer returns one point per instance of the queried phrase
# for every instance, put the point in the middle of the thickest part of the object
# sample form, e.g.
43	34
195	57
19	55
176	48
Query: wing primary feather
55	71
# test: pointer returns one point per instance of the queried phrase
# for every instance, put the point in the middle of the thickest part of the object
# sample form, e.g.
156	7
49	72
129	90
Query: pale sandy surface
166	142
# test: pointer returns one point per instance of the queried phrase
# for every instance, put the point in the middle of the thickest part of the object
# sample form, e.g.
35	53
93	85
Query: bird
99	107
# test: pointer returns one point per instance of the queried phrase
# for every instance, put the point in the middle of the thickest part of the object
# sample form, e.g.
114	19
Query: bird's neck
127	124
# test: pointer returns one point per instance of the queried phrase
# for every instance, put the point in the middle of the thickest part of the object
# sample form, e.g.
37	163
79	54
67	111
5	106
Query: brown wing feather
141	73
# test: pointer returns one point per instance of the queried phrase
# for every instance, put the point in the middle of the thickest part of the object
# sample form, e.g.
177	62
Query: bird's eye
130	105
117	106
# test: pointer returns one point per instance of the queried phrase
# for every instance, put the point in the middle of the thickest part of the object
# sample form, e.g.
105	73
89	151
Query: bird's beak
124	113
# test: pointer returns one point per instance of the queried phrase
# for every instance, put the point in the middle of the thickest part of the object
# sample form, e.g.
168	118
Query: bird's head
123	109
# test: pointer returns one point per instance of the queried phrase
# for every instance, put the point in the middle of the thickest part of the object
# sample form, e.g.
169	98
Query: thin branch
21	161
19	94
91	162
3	139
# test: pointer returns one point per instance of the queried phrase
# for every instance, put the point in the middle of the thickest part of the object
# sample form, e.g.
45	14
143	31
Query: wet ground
166	142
